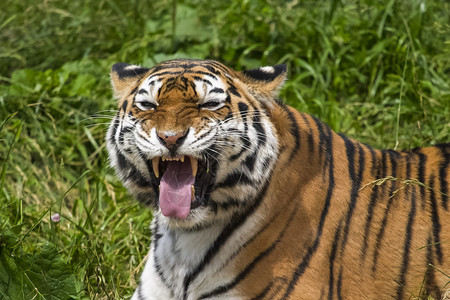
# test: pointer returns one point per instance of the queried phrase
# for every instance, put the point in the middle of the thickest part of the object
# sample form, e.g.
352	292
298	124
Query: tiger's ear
264	83
124	78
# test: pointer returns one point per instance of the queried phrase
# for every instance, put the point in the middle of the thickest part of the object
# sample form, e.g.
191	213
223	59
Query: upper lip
157	159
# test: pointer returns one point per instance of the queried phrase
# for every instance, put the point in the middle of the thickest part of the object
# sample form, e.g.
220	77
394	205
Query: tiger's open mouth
185	184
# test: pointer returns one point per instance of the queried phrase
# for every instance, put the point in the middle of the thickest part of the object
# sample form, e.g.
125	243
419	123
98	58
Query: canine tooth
194	166
182	158
192	193
155	165
163	158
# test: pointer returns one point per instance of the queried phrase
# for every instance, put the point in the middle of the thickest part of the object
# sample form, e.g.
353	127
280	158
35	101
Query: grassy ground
376	70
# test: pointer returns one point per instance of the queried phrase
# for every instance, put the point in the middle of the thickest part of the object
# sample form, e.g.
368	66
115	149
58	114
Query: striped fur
292	210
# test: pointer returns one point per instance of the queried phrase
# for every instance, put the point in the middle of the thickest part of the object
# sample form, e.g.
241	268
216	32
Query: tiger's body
281	207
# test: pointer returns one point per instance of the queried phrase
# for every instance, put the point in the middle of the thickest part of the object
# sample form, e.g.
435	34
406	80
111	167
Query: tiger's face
194	138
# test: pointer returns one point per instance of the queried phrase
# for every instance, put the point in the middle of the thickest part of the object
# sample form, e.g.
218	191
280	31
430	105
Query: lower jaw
197	219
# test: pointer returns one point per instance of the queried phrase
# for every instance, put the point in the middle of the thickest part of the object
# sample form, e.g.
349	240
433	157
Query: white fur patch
267	69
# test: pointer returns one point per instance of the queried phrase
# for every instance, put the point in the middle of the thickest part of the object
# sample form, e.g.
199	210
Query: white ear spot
268	69
131	67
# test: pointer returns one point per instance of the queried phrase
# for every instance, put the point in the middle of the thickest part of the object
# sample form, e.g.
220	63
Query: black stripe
115	126
421	175
121	139
142	91
310	133
322	140
121	161
250	161
332	258
232	180
264	292
370	209
207	81
124	105
373	199
301	267
219	66
430	284
134	90
246	142
198	78
373	157
156	237
229	203
233	89
294	130
339	285
435	220
383	170
201	72
212	69
137	178
445	151
228	99
267	224
409	190
259	129
200	138
147	198
216	90
322	145
388	208
225	288
222	239
139	292
243	110
356	181
167	73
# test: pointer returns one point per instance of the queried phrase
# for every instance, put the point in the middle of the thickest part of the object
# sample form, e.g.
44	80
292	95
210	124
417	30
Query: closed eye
210	105
145	105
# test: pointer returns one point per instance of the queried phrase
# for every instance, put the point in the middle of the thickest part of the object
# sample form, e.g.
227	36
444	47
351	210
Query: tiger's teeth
192	193
155	165
182	158
194	165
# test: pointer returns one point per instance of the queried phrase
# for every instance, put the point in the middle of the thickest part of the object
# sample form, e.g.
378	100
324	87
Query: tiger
252	199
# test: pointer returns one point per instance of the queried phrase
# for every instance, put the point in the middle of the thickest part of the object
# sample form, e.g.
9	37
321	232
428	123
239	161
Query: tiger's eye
145	105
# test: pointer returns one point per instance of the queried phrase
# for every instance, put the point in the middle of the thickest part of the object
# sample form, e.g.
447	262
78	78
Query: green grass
378	71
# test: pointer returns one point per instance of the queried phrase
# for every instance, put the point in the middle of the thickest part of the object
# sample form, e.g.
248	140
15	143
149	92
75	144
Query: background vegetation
375	70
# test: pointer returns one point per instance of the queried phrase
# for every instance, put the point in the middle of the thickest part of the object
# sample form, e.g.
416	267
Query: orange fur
340	219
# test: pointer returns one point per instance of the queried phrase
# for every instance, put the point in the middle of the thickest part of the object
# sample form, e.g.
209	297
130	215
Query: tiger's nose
172	140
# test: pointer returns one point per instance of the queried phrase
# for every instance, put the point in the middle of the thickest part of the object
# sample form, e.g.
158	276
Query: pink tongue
175	189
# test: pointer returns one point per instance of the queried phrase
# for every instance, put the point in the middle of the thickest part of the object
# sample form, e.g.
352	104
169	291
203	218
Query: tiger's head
194	138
